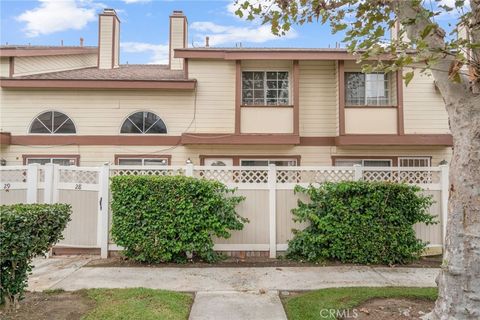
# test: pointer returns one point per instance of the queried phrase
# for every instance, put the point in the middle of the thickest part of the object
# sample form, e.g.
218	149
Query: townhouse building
213	106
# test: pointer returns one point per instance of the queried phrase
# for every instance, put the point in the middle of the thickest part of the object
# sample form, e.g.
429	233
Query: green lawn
310	304
138	303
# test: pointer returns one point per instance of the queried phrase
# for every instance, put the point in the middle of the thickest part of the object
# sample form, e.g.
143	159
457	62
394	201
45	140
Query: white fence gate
268	191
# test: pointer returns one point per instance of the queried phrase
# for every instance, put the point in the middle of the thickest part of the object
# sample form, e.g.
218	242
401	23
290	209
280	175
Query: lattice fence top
401	176
233	174
74	175
11	174
314	176
147	171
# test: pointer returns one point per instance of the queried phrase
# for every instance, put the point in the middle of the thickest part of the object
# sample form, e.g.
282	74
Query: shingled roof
146	72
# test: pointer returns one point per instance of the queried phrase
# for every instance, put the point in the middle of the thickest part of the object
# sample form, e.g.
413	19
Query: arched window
143	122
52	122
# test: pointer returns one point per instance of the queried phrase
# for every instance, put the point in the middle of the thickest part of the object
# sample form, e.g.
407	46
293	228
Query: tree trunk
459	279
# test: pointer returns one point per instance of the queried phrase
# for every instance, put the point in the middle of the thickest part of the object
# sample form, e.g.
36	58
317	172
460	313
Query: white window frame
143	161
268	160
428	159
288	71
388	90
363	161
142	133
52	158
51	133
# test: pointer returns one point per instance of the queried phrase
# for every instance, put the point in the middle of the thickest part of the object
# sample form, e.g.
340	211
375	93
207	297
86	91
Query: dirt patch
51	306
424	262
392	309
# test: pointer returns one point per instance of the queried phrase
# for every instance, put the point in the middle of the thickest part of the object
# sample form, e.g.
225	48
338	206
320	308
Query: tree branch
435	40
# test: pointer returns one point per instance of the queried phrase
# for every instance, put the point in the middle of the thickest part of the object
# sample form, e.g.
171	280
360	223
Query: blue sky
144	26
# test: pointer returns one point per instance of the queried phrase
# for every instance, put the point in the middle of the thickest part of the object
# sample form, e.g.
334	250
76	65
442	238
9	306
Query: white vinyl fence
268	190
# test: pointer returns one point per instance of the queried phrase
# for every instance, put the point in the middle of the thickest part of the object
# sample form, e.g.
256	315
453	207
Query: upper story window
367	89
52	122
265	88
143	122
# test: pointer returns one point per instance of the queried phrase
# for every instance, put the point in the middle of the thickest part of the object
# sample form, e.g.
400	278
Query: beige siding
176	41
310	156
424	109
33	65
318	98
371	120
95	112
215	95
106	42
267	120
4	67
263	65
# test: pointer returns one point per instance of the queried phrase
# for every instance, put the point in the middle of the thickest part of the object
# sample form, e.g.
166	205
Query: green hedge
163	219
26	230
360	222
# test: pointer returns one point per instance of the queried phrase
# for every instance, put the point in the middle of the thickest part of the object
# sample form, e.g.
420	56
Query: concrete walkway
242	293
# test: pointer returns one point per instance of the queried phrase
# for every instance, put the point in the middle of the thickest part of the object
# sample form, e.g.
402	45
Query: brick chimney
178	38
108	39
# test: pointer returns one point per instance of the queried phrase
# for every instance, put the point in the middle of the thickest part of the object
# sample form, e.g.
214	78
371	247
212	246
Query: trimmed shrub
360	222
164	219
26	230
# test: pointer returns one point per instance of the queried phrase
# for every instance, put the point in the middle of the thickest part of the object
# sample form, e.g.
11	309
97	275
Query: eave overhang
99	84
269	55
15	52
238	139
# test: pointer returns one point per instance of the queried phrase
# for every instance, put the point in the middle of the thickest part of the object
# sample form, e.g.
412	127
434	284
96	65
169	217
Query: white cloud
54	16
158	52
221	34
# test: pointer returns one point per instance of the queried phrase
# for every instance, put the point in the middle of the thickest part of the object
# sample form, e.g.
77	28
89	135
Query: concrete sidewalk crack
391	283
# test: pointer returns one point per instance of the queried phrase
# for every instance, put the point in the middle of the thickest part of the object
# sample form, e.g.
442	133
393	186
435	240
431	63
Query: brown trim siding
395	140
296	97
5	138
119	140
400	116
317	141
246	54
341	97
100	84
24	52
238	96
235	139
143	156
367	157
11	67
185	68
236	158
231	139
76	157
